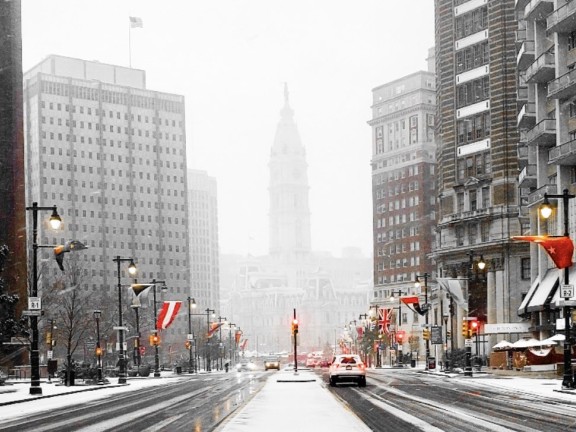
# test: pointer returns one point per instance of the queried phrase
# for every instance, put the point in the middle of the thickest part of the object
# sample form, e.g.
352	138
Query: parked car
272	362
347	368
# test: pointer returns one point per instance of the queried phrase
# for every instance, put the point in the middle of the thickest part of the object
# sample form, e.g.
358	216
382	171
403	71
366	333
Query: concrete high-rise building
477	177
111	154
204	249
403	173
546	41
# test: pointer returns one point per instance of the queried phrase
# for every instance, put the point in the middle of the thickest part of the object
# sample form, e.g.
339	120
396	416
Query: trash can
431	362
413	363
178	370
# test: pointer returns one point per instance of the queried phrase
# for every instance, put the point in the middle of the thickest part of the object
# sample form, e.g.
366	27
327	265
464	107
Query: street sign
34	303
190	337
120	328
468	342
567	291
49	354
436	334
500	328
32	312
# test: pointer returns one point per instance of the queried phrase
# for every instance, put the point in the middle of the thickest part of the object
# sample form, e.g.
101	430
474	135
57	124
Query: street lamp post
190	338
230	327
97	315
122	352
546	211
425	276
137	358
364	318
220	346
34	300
481	265
399	359
208	359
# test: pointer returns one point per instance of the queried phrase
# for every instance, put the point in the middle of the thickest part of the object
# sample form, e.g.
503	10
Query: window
525	268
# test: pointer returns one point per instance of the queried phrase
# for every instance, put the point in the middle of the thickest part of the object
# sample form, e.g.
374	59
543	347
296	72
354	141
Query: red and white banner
167	314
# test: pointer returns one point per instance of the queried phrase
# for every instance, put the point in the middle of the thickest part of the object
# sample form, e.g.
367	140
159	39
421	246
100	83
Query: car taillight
361	366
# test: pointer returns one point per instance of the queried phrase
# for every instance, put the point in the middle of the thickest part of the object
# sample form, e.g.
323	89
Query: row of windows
397	174
473	128
471	22
397	219
118	130
472	92
396	160
399	204
473	200
399	263
398	189
129	216
397	234
107	96
472	57
99	171
127	145
473	237
97	112
476	165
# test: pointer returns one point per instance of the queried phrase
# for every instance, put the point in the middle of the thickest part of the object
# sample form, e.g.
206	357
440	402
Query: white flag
136	22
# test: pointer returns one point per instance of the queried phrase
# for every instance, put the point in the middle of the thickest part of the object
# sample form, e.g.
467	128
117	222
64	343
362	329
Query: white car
347	368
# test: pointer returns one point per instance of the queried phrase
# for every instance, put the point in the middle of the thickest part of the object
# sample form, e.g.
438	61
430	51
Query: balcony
538	9
522	153
525	55
542	70
527	177
563	19
564	154
542	134
563	87
521	4
527	116
522	95
537	196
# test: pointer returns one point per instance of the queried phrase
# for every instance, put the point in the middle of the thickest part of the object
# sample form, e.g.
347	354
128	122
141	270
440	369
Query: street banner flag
167	314
140	288
213	327
560	249
384	320
413	300
136	22
237	336
140	294
69	246
360	331
243	345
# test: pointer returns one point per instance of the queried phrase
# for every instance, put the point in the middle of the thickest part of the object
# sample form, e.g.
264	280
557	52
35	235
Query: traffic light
142	350
188	345
426	334
465	328
294	326
400	337
98	351
474	326
448	334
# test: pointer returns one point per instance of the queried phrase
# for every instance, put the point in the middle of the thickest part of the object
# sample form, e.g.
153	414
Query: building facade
546	42
403	175
203	240
111	155
478	191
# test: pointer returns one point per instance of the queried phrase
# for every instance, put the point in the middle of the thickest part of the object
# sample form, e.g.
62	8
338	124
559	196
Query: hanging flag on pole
560	249
167	314
136	22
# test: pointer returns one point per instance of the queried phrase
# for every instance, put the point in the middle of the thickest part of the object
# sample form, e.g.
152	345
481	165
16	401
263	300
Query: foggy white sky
230	59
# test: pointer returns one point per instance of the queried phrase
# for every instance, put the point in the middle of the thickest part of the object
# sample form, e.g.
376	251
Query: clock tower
289	217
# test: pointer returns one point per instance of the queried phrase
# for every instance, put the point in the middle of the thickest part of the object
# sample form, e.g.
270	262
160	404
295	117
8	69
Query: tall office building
477	178
203	241
546	41
403	172
111	155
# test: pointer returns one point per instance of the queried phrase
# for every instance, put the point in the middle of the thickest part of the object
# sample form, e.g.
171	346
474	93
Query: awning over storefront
541	292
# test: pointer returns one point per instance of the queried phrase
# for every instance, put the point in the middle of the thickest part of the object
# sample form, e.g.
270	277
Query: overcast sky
230	59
